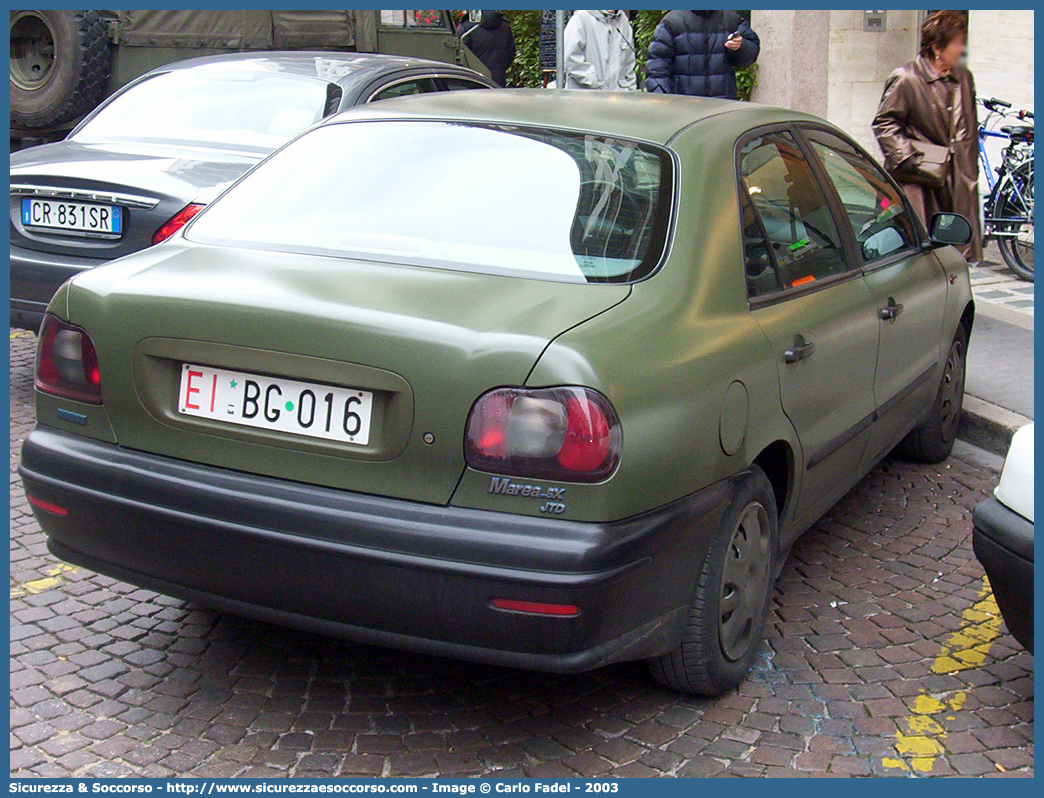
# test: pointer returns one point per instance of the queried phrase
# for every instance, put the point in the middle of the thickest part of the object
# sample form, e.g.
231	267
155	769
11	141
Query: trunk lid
150	183
426	342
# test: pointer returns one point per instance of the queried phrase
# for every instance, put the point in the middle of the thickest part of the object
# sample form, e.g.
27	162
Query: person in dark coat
492	41
697	53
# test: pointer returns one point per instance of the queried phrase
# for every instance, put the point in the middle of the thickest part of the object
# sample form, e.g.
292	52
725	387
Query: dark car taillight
66	363
569	434
175	223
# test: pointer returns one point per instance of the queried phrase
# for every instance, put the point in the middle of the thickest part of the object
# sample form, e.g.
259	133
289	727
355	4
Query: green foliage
645	23
746	80
525	71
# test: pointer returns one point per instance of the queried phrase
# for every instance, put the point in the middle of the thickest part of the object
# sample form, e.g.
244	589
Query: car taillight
175	223
66	363
569	434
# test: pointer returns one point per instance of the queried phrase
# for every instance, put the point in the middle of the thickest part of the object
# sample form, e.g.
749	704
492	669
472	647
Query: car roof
637	115
327	66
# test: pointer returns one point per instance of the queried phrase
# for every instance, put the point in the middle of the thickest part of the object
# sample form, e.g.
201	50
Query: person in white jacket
599	52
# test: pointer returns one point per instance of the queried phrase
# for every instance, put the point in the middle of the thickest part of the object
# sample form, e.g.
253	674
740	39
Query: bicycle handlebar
995	104
1000	107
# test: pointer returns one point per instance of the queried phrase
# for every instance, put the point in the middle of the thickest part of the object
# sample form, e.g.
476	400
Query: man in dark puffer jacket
492	42
691	53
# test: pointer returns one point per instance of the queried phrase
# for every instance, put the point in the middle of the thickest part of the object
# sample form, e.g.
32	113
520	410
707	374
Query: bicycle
1008	209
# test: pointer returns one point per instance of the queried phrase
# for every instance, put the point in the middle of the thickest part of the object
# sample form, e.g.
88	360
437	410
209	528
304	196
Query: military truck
63	63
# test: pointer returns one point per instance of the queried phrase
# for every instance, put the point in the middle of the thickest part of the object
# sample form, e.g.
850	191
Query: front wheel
731	600
1016	201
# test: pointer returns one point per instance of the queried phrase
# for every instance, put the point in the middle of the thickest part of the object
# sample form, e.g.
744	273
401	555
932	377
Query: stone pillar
824	63
793	65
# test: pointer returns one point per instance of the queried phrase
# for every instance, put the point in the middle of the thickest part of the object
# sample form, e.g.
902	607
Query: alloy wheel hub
744	582
952	389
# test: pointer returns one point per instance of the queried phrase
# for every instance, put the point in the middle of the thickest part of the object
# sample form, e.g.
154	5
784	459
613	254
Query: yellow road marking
969	645
921	736
52	578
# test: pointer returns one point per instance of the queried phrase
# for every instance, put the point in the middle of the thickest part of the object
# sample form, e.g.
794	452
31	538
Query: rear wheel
1016	200
731	600
932	441
59	65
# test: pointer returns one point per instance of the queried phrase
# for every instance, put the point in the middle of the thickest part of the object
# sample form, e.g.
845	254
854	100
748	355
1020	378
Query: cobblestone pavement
885	656
994	282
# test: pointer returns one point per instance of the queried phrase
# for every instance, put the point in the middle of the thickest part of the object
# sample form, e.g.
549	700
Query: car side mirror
950	228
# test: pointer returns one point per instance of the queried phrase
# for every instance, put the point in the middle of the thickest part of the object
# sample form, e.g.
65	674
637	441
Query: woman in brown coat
932	101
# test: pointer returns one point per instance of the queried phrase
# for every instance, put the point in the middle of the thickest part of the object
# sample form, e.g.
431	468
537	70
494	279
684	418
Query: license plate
78	217
274	403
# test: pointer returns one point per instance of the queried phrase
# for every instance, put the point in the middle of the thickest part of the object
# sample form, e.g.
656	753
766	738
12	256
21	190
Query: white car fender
1015	490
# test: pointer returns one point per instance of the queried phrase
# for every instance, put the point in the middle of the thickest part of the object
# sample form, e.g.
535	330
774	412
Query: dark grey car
144	162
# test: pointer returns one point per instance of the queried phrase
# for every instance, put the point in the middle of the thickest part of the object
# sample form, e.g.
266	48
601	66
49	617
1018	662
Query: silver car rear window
207	105
502	199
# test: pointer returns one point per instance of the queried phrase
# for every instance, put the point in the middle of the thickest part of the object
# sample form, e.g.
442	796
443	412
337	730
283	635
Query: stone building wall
1000	54
824	62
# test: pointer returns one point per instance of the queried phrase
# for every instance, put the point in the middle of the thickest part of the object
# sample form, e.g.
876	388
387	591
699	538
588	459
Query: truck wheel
59	65
932	441
732	597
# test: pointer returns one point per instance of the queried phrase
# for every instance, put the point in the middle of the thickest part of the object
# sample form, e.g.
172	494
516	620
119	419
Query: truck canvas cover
240	30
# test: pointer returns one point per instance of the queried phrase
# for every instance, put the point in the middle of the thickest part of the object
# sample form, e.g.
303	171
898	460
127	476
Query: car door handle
801	350
890	311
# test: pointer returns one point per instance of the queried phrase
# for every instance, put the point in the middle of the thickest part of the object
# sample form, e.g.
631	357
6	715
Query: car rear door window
458	84
796	221
406	88
424	19
762	275
411	19
875	209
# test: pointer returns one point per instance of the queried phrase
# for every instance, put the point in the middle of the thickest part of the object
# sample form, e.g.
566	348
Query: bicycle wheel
1014	200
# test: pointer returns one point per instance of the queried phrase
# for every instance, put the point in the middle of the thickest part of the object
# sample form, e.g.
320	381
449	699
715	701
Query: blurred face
950	56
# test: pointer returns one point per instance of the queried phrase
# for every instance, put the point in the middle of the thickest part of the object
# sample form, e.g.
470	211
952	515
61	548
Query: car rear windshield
212	106
502	199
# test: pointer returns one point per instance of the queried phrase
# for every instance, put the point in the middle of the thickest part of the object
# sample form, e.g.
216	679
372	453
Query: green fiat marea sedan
548	380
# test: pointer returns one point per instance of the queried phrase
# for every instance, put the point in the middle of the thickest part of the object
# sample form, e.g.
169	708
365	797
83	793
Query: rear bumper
35	277
1003	543
376	570
27	315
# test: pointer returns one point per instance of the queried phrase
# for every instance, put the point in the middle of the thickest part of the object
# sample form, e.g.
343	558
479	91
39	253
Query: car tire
932	440
718	645
59	66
